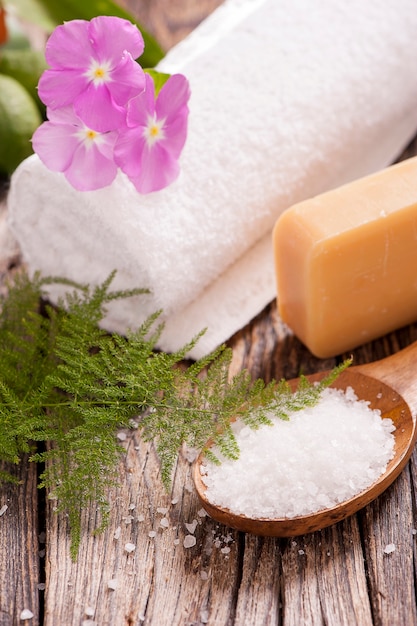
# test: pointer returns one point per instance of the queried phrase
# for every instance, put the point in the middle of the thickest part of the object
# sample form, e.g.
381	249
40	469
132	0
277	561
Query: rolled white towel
289	99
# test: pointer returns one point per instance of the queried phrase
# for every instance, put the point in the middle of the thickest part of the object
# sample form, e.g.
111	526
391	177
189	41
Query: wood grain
20	547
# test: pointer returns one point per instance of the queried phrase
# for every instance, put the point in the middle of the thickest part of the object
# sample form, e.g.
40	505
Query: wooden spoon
390	385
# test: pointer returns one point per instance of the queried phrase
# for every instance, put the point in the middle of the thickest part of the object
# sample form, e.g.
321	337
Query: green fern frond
67	386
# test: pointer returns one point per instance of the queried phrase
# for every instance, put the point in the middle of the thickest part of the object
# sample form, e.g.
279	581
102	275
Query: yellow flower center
154	131
91	134
99	72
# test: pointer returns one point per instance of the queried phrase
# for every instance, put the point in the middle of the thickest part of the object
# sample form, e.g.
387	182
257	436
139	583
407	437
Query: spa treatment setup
208	313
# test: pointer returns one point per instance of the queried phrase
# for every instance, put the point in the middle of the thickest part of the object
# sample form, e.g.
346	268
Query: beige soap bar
346	261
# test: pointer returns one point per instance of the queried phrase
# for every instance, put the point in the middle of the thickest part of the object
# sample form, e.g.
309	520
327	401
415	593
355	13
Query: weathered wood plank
20	548
389	521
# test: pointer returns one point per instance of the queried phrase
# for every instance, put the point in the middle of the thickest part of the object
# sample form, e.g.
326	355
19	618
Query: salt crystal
151	534
202	513
189	541
203	575
112	584
132	506
130	547
117	533
414	531
3	509
301	552
164	522
26	614
121	436
140	518
89	611
321	456
41	586
162	509
390	547
191	527
225	550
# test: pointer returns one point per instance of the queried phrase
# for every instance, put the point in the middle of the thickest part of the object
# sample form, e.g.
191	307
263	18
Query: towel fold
289	99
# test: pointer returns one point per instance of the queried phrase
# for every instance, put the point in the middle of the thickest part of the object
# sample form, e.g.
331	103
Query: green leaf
159	79
50	13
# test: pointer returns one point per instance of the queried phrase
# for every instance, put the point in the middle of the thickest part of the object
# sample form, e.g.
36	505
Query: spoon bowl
389	385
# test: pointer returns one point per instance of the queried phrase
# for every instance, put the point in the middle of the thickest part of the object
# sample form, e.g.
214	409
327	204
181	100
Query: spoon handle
398	371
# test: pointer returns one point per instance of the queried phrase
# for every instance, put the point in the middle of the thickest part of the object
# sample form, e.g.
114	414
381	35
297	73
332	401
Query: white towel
289	98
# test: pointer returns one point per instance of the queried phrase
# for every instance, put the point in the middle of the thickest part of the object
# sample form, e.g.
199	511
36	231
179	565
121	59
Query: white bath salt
321	456
414	531
202	513
191	527
174	501
162	509
164	522
89	611
189	541
3	509
132	506
140	518
130	547
117	533
390	547
121	436
41	586
225	550
152	534
26	614
112	584
203	575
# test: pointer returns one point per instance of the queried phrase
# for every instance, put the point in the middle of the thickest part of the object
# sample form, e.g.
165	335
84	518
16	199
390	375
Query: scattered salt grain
189	541
321	456
112	584
3	509
202	513
191	527
121	436
174	501
390	547
164	522
26	614
89	611
203	575
117	533
414	531
130	547
162	509
152	534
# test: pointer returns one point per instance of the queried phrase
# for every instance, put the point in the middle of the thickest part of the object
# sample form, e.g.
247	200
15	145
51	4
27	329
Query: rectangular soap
346	261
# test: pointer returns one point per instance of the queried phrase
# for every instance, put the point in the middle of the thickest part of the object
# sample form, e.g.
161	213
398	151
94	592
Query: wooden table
338	576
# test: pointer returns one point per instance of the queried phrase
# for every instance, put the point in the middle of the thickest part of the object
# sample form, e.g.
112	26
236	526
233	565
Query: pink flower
148	148
85	156
92	67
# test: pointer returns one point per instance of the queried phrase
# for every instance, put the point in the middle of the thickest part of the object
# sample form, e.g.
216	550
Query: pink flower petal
111	36
127	80
176	134
59	88
128	151
55	145
140	108
69	46
173	97
90	170
158	170
97	109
